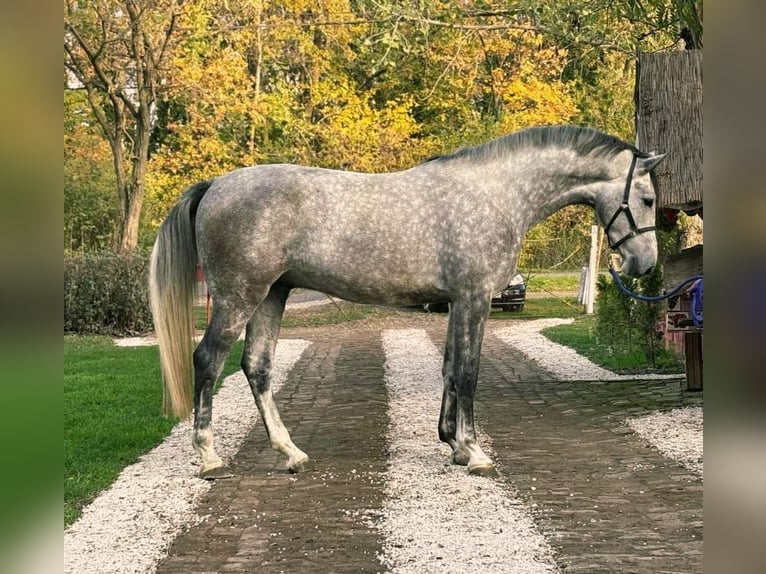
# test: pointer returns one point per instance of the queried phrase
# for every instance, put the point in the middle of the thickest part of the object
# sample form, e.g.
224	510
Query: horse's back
361	236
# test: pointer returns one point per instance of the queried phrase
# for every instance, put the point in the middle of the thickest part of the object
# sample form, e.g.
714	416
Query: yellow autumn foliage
257	81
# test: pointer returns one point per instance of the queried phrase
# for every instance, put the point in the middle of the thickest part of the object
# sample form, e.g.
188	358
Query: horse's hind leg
225	326
448	414
257	360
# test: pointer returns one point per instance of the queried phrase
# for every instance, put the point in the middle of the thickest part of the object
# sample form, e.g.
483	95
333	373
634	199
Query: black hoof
488	471
216	473
305	465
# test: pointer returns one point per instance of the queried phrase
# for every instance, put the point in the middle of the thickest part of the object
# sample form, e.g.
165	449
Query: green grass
581	336
200	317
112	413
544	282
329	314
542	309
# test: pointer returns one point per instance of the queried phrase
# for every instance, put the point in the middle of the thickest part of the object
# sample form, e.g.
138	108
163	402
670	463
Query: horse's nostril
649	270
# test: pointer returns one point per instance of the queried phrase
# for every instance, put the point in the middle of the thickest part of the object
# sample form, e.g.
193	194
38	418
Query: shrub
615	314
106	294
626	325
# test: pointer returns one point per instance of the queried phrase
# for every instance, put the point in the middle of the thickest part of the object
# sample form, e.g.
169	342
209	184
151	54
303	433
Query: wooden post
693	352
590	292
678	267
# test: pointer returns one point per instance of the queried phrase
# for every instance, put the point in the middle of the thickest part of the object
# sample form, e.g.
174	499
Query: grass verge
331	313
581	336
549	307
112	413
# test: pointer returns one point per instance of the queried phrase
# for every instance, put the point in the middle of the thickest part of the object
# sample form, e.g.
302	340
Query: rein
693	284
625	208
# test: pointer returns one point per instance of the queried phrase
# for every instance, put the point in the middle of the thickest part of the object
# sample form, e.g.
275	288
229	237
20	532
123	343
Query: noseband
625	208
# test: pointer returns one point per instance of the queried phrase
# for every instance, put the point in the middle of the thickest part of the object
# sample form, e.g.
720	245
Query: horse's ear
647	164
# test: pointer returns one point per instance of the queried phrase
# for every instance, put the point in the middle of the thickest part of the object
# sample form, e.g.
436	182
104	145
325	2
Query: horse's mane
583	140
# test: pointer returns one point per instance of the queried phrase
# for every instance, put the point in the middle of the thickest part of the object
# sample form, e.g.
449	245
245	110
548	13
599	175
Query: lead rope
692	284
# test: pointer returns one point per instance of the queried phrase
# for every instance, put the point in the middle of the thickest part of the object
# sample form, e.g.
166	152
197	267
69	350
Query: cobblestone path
605	501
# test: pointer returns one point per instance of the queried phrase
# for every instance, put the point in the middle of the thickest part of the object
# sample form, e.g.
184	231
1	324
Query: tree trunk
116	51
132	193
127	239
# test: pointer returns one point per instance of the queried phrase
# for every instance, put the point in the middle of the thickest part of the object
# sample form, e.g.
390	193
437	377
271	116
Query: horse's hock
669	119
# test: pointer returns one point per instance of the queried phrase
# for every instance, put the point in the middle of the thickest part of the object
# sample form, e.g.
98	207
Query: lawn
112	413
552	282
581	336
547	307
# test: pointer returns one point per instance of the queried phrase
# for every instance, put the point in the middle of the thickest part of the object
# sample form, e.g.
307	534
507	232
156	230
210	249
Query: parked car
436	307
511	298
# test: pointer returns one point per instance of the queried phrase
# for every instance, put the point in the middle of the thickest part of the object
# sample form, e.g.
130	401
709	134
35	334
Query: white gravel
677	434
436	517
144	341
129	527
562	362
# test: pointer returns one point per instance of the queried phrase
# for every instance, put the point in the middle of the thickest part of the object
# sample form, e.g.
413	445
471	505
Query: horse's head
627	210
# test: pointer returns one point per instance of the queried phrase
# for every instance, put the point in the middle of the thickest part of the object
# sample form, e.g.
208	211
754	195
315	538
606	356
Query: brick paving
606	502
266	520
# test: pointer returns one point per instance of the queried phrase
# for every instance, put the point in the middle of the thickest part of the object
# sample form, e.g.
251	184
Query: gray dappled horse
447	230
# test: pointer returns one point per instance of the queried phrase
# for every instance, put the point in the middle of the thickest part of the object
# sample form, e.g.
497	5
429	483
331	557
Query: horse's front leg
461	370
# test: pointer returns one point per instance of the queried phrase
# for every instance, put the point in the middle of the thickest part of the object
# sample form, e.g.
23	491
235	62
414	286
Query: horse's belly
376	289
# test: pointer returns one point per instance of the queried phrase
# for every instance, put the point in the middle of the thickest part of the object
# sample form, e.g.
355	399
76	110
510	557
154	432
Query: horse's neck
549	180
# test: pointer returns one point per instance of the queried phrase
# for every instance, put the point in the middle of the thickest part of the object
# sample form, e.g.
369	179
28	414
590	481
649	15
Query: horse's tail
172	277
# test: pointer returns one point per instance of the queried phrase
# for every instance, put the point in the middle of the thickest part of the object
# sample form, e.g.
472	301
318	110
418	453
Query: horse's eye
648	202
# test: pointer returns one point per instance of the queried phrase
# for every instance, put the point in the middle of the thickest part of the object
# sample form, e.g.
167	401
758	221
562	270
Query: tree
369	85
256	82
89	208
115	51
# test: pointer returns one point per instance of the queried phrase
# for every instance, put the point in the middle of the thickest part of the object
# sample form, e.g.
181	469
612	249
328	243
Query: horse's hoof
303	465
216	473
487	470
460	457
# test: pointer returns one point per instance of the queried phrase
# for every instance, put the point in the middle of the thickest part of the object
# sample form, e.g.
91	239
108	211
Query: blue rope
696	294
697	303
653	299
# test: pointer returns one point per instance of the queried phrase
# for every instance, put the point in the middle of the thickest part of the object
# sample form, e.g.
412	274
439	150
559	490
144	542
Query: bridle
625	208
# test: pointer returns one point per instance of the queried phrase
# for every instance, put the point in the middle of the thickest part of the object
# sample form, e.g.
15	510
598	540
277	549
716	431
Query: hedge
106	294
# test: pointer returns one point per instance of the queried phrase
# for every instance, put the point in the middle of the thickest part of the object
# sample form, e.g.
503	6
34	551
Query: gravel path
490	530
565	363
129	527
677	434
